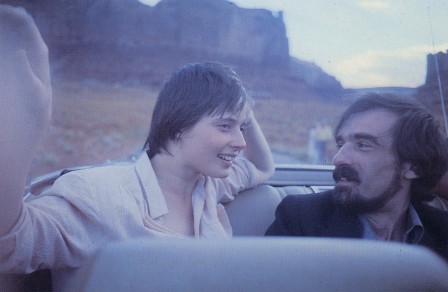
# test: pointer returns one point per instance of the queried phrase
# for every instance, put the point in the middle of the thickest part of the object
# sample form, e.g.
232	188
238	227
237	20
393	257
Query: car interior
250	261
109	59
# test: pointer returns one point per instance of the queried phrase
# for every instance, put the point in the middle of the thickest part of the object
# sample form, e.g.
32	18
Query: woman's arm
25	97
257	149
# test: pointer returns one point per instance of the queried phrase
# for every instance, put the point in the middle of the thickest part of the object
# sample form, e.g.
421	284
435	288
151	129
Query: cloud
405	67
373	5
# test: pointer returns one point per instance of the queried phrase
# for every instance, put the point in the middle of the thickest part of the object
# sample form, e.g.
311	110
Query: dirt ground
94	123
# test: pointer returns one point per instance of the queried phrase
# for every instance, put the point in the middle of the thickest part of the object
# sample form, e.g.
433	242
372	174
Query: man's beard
350	199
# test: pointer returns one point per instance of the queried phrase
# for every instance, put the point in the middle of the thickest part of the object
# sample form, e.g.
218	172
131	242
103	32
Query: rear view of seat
262	264
253	210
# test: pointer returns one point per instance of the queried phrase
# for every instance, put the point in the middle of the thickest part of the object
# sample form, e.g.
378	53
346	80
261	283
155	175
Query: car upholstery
253	210
262	264
249	262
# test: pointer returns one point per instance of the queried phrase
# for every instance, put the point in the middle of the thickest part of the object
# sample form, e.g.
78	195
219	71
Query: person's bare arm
257	149
25	106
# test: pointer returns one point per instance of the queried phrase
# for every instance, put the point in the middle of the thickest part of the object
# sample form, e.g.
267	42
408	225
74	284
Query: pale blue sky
363	43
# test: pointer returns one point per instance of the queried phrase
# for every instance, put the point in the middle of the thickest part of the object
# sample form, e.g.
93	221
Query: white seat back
263	264
253	211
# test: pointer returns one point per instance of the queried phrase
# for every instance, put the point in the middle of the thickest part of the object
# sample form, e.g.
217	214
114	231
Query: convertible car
109	69
250	261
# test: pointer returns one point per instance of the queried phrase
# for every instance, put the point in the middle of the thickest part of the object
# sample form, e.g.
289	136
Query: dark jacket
316	215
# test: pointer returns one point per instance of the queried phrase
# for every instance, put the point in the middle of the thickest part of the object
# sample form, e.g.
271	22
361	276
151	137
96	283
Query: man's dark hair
416	138
194	91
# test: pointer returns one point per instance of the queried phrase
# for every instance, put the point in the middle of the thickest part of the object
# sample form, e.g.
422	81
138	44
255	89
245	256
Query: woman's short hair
194	91
416	138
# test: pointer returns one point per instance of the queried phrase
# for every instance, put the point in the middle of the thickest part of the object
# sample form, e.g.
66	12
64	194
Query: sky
362	43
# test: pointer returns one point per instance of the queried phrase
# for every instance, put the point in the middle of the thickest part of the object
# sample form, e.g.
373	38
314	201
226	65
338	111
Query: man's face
367	174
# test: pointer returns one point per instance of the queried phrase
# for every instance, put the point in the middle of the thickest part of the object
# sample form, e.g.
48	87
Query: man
391	154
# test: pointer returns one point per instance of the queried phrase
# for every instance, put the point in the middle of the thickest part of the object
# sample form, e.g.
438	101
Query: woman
201	122
194	159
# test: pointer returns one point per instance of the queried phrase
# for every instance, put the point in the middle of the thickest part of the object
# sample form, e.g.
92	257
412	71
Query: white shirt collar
150	187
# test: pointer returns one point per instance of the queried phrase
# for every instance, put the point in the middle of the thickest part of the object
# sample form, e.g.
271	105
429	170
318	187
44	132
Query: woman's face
211	145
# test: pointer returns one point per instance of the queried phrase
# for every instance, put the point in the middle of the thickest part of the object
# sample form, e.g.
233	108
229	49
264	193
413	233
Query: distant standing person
320	135
312	153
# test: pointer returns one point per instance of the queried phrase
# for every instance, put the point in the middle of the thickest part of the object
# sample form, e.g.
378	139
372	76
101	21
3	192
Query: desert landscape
109	59
94	123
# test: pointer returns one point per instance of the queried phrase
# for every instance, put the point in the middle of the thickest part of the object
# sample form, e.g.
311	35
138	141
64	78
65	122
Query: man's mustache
347	173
